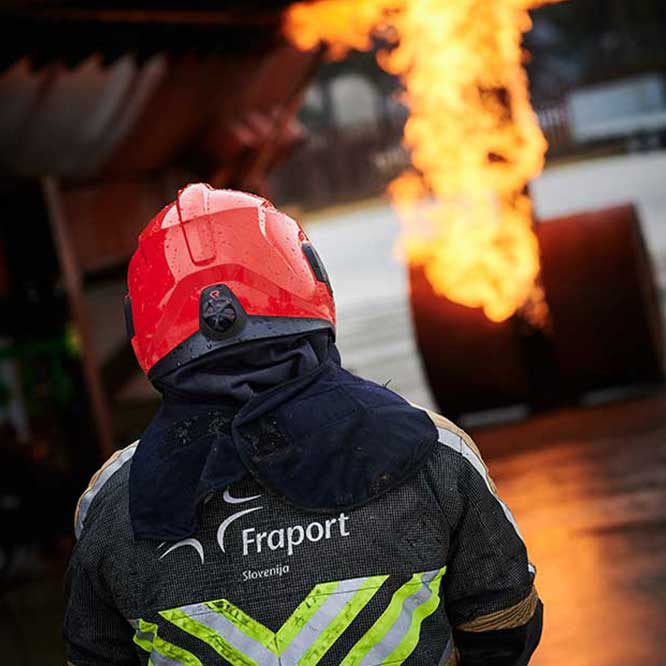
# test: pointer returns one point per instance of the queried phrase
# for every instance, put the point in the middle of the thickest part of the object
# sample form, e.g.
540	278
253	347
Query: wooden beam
73	279
261	162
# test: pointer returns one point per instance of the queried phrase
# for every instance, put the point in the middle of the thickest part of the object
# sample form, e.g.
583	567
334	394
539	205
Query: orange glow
473	137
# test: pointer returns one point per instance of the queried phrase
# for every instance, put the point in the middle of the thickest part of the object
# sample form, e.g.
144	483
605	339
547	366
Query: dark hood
284	411
237	374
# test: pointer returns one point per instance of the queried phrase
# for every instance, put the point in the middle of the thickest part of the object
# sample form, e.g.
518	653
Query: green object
53	352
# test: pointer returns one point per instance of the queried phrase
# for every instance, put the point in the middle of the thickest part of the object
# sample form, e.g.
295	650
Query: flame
474	139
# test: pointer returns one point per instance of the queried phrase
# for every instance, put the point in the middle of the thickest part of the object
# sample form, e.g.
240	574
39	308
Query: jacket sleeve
491	600
95	633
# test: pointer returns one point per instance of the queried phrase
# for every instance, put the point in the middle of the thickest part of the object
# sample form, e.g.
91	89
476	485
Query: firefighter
279	510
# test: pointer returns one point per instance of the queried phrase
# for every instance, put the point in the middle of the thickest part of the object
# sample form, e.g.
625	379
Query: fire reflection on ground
590	498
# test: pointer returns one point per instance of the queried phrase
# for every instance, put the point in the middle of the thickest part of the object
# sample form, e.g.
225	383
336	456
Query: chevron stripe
303	639
162	653
309	632
395	634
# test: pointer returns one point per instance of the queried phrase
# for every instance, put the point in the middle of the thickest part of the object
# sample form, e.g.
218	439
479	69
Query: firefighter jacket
345	528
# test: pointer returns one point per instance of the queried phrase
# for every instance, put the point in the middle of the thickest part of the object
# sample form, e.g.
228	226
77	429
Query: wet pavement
588	488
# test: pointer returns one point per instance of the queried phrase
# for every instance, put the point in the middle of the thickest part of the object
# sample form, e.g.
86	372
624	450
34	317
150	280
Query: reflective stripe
162	653
323	640
157	659
395	635
143	639
307	609
458	443
223	636
110	467
303	640
427	606
445	659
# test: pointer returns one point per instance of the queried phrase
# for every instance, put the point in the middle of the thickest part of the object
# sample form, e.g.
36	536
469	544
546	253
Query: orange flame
474	139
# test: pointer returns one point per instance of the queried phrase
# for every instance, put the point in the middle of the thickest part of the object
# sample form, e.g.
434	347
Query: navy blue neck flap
319	438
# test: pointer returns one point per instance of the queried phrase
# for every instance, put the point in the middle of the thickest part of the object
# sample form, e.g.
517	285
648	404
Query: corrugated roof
137	116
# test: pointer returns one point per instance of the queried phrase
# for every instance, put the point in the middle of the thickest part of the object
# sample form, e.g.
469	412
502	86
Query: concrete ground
587	485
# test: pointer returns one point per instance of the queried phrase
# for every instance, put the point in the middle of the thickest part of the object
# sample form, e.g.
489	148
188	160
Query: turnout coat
433	572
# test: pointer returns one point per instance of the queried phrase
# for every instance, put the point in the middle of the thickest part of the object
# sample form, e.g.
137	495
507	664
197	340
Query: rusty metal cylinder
606	323
603	299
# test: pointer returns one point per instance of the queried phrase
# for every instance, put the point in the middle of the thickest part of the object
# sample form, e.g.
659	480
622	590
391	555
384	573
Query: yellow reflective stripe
248	625
303	639
313	628
144	643
302	615
345	617
161	647
386	625
383	623
208	636
275	642
411	639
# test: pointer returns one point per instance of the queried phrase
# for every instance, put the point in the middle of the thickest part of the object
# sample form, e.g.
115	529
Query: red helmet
219	267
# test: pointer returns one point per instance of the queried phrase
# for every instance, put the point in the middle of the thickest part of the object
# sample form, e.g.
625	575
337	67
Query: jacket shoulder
111	476
454	439
451	435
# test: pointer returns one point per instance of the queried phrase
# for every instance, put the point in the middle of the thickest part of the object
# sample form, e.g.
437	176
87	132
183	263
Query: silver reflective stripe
448	651
142	635
158	659
328	611
401	626
231	634
146	636
112	465
457	443
155	657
